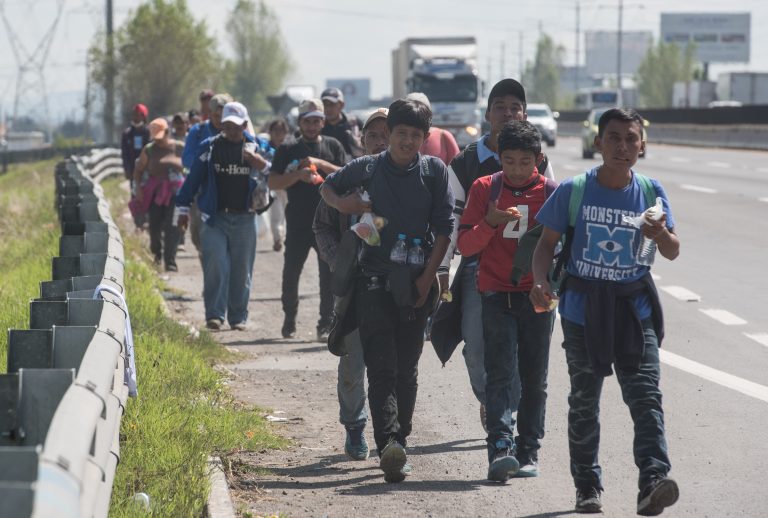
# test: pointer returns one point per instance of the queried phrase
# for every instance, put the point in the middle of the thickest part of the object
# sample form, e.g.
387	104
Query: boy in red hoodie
511	325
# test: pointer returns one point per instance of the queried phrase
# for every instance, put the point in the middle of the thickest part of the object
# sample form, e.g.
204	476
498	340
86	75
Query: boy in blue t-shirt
611	315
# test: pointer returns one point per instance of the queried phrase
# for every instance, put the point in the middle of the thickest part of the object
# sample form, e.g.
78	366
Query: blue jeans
350	386
228	247
641	393
515	334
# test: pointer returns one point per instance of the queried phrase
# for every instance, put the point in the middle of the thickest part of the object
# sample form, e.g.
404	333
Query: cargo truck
445	70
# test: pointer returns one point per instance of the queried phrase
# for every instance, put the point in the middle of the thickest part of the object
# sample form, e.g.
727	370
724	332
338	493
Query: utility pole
109	86
619	95
578	55
520	55
502	58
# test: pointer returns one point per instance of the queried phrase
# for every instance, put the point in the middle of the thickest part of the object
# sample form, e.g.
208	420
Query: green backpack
574	204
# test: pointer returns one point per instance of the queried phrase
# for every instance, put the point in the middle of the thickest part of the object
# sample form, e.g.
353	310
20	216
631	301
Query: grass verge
184	412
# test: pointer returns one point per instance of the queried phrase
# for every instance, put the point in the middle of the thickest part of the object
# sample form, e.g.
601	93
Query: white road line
761	338
747	387
720	165
763	169
655	277
697	188
679	159
724	317
681	293
571	167
764	200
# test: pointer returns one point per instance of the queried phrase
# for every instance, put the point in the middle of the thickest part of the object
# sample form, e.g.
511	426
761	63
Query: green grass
184	411
29	237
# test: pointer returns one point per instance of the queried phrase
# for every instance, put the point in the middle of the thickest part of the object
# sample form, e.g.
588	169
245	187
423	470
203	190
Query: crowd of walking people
387	205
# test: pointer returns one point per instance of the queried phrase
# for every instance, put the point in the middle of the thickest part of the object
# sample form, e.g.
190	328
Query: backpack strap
648	190
497	182
577	194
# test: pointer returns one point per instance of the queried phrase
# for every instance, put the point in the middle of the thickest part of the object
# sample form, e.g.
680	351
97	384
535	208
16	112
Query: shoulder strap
648	189
370	168
497	182
549	186
542	167
427	176
579	181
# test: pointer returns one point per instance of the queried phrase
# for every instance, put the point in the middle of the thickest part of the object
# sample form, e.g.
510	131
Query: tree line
164	56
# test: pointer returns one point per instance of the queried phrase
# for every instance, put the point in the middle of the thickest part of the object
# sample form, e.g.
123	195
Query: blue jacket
202	178
192	145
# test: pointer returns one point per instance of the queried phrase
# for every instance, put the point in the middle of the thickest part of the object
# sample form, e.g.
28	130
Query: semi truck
445	70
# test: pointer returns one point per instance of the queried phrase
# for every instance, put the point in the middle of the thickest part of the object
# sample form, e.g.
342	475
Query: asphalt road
714	379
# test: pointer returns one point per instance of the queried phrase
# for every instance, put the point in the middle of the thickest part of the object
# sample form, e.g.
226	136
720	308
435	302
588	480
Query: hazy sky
354	38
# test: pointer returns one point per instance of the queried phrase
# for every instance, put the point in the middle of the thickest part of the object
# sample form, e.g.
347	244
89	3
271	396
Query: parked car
589	132
541	116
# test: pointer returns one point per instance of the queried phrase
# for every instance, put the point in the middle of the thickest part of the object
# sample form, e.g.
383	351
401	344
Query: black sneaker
660	492
529	465
393	460
322	333
289	328
214	323
503	465
588	500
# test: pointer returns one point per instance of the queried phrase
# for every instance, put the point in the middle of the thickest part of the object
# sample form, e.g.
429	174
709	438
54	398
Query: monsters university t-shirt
604	247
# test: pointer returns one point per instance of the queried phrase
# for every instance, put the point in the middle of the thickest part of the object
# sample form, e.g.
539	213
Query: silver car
541	116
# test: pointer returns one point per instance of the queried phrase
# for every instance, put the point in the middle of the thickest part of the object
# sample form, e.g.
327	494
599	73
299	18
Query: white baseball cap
234	112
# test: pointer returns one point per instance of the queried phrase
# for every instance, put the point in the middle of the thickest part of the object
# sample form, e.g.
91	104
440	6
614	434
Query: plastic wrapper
369	225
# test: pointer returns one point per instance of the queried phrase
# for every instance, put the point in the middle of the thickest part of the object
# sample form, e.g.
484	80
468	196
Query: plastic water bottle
416	254
399	253
646	252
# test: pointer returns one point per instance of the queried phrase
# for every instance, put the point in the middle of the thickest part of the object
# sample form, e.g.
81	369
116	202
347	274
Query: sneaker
588	500
181	248
659	493
240	326
214	323
529	466
503	464
483	418
322	334
356	447
393	460
289	328
171	268
277	246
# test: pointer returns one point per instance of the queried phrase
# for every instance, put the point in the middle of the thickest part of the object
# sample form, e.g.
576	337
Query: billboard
719	37
357	92
601	51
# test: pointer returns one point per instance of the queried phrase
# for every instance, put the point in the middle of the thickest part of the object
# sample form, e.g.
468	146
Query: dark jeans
163	234
391	350
640	390
297	245
516	338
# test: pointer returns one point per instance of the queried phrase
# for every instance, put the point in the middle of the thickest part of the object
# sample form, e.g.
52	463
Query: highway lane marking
719	165
763	169
655	277
681	293
761	338
571	167
746	387
679	159
764	200
724	317
697	188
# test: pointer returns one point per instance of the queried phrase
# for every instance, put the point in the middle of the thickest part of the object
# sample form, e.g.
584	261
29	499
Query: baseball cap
418	96
506	87
311	108
378	113
140	108
158	128
332	94
219	100
234	112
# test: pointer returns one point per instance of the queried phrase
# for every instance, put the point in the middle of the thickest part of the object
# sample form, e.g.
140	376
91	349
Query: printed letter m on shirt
609	247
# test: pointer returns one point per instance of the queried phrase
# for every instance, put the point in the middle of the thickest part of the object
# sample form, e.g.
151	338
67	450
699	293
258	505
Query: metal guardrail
65	391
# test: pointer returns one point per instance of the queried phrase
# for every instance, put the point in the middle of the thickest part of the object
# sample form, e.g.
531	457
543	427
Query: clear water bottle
399	253
416	254
646	253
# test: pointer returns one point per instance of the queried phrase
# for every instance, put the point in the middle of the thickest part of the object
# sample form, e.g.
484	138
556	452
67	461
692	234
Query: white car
541	116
